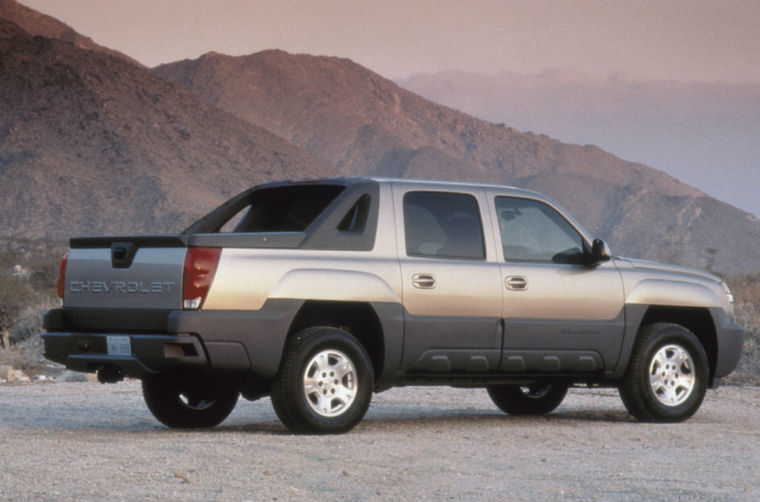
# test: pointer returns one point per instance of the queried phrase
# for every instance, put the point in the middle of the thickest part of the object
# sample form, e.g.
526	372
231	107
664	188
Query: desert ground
87	441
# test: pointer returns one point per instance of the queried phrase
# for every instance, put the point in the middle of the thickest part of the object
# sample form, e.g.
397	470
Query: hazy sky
684	40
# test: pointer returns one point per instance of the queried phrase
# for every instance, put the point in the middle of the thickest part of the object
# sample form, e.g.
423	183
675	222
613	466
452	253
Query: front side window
534	231
443	225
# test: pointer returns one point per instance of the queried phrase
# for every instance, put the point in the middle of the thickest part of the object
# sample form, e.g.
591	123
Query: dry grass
746	290
28	274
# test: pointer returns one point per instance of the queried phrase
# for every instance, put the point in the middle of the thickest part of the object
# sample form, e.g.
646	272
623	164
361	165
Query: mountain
36	23
362	123
692	130
92	144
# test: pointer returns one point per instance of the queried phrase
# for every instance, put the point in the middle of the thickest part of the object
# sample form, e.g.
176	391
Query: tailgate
125	273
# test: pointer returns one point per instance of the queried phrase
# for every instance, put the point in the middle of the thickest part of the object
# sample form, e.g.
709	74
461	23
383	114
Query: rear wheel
533	399
189	400
325	382
667	375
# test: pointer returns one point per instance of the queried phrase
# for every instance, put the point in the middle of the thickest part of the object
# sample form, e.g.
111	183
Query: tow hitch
110	374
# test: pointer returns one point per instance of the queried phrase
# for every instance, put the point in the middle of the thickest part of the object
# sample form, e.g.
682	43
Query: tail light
62	275
200	267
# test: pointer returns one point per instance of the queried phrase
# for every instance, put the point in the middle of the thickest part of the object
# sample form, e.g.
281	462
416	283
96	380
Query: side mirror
600	251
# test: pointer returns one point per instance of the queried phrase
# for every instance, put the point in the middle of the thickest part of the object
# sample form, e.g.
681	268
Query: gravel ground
86	441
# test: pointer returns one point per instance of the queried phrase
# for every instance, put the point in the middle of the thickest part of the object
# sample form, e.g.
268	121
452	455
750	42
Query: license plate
119	346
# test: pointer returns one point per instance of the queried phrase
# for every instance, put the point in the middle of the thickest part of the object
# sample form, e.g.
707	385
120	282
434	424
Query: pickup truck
319	293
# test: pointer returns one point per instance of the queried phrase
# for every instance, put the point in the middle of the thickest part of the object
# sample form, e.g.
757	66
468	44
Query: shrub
746	290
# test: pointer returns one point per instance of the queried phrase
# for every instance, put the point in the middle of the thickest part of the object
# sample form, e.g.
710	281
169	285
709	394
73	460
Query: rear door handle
516	283
423	281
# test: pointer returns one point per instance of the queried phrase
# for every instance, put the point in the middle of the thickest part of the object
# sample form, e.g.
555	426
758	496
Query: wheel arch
697	320
358	318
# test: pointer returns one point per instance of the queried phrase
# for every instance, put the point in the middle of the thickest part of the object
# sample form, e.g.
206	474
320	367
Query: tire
535	399
667	375
189	400
325	382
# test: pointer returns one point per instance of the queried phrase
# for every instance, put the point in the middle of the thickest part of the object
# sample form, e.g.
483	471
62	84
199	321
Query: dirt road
86	441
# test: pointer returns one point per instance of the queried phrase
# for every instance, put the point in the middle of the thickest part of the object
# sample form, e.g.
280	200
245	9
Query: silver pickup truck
319	293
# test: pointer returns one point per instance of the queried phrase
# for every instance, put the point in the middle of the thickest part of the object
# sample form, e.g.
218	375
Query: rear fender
334	285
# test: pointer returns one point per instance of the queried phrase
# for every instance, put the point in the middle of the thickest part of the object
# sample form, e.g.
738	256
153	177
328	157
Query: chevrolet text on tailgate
320	293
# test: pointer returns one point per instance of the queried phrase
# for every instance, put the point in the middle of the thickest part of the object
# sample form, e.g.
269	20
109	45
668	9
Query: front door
560	314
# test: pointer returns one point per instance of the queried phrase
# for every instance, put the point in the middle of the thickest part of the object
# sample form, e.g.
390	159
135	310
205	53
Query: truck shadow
454	419
386	420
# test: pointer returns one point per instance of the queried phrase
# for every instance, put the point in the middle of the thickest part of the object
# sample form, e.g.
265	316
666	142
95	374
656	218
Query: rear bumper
78	339
149	352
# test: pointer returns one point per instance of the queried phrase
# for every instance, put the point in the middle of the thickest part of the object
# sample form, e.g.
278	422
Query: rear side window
356	218
287	208
443	225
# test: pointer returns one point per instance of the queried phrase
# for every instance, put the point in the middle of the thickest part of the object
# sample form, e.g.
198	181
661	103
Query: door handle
423	281
516	283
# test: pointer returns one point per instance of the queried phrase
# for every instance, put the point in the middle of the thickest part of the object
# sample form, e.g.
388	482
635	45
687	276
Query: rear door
450	281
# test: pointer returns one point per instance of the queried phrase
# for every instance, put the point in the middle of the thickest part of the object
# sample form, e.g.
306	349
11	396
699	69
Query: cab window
443	225
533	231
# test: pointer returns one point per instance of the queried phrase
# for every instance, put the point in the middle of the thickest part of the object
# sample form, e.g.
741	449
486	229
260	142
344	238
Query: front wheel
325	382
667	375
189	400
533	399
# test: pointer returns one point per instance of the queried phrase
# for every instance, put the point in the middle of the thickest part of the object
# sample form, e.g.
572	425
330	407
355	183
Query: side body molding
672	293
334	285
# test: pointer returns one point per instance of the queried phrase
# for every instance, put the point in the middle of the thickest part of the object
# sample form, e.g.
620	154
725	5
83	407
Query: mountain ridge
692	130
37	23
112	148
362	123
91	144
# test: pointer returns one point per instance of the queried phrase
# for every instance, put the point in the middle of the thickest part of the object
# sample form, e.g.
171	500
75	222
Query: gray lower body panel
583	345
248	341
547	361
261	333
148	353
518	346
730	342
241	341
